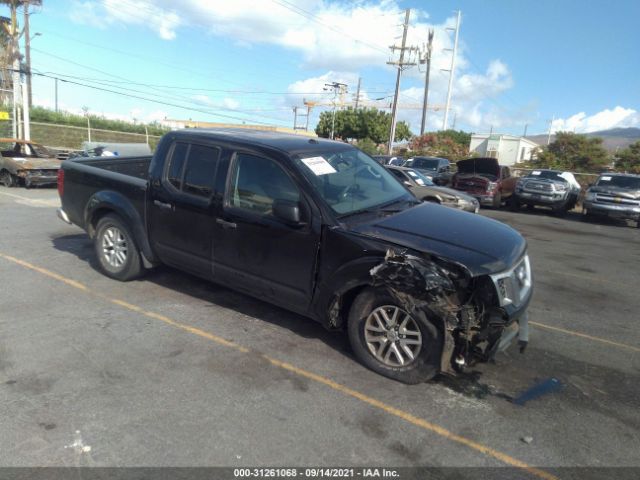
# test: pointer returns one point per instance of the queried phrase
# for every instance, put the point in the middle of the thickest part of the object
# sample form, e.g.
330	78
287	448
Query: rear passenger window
176	165
200	172
192	168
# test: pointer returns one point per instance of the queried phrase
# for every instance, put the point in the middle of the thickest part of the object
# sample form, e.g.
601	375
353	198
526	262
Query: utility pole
455	117
337	88
358	92
525	129
295	117
451	70
400	64
27	51
56	94
550	125
426	59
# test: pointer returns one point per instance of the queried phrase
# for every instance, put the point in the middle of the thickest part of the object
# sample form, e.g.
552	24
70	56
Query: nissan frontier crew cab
317	227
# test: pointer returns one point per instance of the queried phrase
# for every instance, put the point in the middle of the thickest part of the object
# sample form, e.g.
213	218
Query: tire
514	204
365	327
497	201
7	179
560	211
586	216
117	252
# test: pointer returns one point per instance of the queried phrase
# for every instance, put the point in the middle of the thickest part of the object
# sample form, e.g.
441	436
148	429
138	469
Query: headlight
560	188
590	196
492	186
514	285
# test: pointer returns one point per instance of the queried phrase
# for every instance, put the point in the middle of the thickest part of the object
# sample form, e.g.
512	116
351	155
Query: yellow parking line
584	335
406	416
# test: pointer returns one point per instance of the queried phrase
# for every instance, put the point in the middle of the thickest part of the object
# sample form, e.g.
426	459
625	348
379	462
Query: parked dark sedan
426	190
436	169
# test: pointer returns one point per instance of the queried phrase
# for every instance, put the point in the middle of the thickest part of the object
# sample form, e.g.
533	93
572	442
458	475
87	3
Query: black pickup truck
317	227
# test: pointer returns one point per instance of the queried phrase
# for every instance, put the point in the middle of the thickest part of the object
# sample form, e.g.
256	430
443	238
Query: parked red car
483	178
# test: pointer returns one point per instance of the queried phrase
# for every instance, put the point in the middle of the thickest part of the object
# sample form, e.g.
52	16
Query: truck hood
479	166
617	192
21	163
481	245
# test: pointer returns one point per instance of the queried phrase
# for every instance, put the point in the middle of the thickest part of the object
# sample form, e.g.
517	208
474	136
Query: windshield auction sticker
318	165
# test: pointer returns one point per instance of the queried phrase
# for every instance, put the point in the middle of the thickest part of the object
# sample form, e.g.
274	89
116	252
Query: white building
508	149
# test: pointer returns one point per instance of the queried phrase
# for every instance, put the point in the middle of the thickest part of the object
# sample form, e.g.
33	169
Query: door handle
226	224
164	205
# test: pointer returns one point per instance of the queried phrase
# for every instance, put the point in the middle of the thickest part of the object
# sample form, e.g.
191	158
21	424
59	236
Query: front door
255	251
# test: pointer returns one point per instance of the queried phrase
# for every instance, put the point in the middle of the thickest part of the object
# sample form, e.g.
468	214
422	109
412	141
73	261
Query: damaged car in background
547	188
317	227
25	163
427	191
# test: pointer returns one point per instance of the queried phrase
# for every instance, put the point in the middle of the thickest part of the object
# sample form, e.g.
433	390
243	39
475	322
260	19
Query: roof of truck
287	142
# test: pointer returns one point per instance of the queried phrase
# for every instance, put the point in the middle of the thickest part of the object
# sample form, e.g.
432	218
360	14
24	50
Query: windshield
631	183
350	180
426	163
419	178
550	174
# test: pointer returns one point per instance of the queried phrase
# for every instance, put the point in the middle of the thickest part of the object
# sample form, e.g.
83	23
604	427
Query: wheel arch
110	202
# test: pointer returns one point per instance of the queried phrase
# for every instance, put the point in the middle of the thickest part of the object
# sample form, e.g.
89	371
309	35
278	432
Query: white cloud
617	117
338	37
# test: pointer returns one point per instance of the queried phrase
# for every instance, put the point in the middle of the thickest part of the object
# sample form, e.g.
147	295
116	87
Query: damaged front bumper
478	317
38	177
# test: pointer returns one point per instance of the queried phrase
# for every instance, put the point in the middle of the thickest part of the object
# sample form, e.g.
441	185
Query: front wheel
116	250
497	200
391	341
7	179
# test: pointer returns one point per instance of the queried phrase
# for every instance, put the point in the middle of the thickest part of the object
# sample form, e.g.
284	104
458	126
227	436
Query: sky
520	63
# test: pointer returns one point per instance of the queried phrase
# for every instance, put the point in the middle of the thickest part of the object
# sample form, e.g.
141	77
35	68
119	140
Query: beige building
508	149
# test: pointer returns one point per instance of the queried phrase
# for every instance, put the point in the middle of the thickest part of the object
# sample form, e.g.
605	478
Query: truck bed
124	177
132	166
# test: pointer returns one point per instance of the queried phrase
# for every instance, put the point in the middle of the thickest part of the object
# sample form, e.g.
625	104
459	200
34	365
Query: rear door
253	250
180	208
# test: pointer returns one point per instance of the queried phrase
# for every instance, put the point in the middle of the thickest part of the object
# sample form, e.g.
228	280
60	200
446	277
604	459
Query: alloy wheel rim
392	336
114	247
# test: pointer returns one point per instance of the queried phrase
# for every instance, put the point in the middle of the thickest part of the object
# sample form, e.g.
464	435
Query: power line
209	112
316	19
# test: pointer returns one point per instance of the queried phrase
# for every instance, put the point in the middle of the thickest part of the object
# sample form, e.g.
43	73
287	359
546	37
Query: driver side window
257	182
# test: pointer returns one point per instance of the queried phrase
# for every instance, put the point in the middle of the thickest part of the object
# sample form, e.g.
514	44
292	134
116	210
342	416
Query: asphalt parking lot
174	371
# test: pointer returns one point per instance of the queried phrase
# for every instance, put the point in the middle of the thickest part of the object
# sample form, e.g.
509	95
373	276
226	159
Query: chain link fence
66	137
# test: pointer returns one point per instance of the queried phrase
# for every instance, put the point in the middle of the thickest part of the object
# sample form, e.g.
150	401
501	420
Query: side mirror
407	183
287	211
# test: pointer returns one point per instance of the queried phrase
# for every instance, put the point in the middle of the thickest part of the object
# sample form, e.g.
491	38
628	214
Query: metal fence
67	137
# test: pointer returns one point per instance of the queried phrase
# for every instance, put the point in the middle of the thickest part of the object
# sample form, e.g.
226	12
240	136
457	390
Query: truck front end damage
478	316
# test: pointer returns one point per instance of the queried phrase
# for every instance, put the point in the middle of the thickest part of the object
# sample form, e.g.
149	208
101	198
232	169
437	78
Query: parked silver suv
549	188
614	195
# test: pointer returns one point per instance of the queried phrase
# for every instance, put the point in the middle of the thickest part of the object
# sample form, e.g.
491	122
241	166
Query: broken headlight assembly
514	285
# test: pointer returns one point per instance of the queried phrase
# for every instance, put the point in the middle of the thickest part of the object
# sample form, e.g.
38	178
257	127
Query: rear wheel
391	341
116	250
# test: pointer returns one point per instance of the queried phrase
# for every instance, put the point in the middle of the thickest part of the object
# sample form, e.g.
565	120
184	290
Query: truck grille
538	186
613	200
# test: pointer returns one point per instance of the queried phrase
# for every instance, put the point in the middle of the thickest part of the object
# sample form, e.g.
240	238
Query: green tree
359	124
450	144
368	146
628	160
573	152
